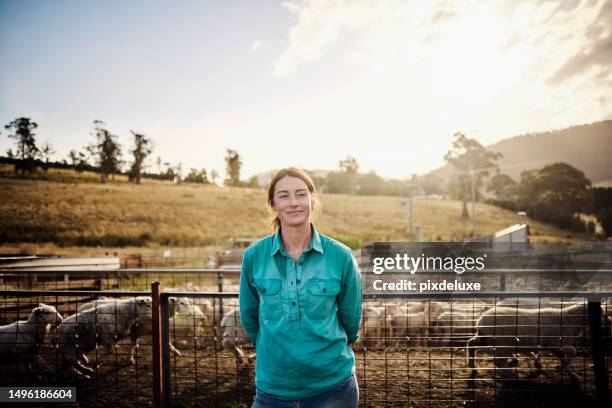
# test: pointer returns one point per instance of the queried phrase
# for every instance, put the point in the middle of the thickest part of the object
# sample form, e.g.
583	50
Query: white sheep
233	332
188	320
144	324
514	330
104	324
373	329
24	338
409	326
235	337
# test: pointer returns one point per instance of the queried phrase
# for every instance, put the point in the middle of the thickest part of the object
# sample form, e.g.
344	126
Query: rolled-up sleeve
249	299
349	299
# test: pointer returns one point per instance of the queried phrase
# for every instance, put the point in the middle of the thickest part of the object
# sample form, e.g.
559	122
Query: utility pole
408	205
473	183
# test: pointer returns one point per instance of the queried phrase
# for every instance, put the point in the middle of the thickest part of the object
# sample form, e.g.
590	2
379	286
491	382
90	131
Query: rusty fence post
599	358
158	384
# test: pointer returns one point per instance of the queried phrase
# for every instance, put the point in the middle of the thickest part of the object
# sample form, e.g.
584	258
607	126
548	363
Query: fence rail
220	280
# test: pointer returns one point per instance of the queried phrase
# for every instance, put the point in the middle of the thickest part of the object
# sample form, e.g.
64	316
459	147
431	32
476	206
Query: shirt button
324	290
264	290
293	303
298	281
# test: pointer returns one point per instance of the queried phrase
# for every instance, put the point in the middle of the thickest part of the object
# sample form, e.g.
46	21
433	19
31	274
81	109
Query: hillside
154	214
586	147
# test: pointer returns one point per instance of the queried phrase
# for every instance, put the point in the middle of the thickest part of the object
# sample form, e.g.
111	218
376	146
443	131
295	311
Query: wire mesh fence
485	349
64	338
416	352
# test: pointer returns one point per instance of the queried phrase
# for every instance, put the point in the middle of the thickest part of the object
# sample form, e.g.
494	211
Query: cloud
256	46
595	54
492	52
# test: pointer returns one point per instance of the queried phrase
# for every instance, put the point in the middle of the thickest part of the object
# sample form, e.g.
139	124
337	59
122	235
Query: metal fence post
165	327
599	358
220	287
158	384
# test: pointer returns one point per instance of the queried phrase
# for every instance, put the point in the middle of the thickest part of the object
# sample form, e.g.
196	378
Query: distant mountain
586	147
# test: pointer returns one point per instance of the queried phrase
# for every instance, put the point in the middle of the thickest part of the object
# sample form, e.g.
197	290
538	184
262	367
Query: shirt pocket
269	298
322	297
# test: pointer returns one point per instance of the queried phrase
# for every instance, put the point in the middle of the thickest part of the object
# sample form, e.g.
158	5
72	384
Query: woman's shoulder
261	245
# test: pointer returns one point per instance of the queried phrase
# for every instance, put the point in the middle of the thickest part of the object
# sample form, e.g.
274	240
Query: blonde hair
297	173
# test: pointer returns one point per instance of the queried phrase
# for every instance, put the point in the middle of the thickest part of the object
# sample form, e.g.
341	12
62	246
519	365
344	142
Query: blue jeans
343	395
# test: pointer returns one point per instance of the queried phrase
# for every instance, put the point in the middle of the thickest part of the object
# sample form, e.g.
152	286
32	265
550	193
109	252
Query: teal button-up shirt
300	315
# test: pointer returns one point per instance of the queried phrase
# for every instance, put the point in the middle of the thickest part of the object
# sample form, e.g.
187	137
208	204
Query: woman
300	304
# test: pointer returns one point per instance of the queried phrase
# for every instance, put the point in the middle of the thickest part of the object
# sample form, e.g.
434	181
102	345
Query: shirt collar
315	242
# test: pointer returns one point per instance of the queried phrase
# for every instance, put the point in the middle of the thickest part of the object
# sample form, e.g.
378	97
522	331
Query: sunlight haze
303	83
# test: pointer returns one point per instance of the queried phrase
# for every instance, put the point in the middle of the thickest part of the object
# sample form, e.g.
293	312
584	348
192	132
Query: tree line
556	193
104	155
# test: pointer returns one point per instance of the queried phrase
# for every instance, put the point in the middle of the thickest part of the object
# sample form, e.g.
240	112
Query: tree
26	143
195	176
78	160
74	157
349	165
178	171
555	193
106	151
214	175
605	219
46	152
431	184
142	148
370	184
345	180
232	168
503	187
473	161
158	163
253	182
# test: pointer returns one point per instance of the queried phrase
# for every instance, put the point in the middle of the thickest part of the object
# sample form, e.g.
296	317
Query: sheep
373	327
104	324
234	337
188	320
24	337
511	330
181	308
450	326
405	326
234	334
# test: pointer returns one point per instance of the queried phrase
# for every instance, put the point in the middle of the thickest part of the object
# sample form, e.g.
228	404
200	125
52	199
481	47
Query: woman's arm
249	299
349	298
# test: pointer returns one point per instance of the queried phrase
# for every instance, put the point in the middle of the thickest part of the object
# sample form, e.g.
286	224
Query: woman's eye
283	196
302	195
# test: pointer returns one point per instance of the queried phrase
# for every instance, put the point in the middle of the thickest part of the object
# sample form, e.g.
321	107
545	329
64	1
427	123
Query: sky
303	83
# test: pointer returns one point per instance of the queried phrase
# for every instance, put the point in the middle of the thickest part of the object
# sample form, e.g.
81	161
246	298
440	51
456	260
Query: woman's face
292	201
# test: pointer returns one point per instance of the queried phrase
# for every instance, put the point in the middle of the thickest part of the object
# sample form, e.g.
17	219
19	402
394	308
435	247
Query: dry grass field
62	215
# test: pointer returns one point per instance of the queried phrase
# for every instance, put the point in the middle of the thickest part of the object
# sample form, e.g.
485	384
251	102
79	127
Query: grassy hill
69	214
586	147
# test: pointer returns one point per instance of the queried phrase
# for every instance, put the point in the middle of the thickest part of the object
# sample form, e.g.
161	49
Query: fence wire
412	351
63	338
